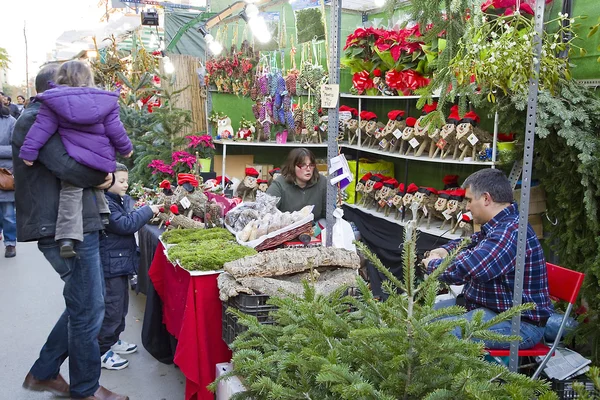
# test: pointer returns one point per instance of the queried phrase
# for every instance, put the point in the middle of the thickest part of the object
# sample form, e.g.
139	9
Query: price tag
330	95
323	127
459	216
397	134
414	143
390	203
441	144
382	203
447	214
473	139
425	211
185	202
383	144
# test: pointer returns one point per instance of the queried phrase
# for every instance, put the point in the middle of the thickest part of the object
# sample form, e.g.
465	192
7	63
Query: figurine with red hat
368	192
408	197
273	174
392	130
371	197
447	139
390	186
407	135
396	202
470	137
466	225
219	181
424	200
247	188
263	184
351	125
368	127
455	206
426	138
360	186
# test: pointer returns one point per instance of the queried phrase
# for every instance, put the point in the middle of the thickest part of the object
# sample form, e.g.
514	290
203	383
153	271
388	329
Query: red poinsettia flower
362	81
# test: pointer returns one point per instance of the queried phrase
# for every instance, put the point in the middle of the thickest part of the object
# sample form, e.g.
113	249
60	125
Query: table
191	313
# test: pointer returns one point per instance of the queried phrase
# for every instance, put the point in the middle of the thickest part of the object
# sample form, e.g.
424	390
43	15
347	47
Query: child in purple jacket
87	120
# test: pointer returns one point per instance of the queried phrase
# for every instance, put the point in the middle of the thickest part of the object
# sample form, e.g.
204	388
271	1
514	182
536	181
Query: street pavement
30	303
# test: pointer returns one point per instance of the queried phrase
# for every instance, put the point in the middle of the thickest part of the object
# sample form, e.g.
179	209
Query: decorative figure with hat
390	186
246	131
392	130
369	129
425	199
219	182
263	184
396	202
373	196
455	206
439	208
172	219
447	141
247	188
407	135
187	197
466	224
273	174
422	133
407	199
360	186
368	190
470	137
348	126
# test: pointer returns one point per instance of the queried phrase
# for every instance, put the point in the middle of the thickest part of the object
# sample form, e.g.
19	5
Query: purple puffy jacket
87	120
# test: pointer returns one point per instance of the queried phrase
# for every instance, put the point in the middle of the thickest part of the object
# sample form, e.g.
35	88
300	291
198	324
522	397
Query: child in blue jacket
119	255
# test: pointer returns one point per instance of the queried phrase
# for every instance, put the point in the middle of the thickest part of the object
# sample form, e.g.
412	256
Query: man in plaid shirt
487	266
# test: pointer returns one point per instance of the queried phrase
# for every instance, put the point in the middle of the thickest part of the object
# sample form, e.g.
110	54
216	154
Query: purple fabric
87	120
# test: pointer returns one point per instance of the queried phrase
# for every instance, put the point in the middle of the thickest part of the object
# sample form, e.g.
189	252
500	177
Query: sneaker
122	347
10	251
110	360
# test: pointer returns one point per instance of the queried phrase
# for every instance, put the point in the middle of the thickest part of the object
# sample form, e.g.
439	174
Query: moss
178	236
208	255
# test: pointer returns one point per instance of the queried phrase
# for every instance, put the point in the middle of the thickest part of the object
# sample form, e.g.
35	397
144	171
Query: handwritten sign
330	95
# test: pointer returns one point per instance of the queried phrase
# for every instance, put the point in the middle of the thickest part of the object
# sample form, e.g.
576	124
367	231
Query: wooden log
229	287
289	261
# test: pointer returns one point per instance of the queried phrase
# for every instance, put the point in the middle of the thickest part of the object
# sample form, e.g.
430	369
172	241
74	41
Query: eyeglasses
306	166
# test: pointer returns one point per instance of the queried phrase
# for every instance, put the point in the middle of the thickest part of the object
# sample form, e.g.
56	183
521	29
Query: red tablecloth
191	313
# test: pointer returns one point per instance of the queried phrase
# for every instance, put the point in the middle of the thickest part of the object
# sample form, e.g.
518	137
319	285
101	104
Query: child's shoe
67	248
122	347
111	360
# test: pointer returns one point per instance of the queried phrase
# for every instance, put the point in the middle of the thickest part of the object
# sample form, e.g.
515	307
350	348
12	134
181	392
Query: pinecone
290	83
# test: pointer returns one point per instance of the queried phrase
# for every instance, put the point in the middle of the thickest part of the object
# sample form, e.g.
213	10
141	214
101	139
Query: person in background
487	265
300	184
119	255
8	224
14	110
75	335
20	103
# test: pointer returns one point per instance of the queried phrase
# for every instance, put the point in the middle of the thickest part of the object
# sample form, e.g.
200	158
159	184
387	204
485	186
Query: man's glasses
306	166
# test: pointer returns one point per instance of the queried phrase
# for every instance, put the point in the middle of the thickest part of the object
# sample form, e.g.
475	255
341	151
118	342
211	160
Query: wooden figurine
263	184
273	174
408	197
387	193
247	188
368	192
188	197
447	142
368	129
439	208
392	130
407	135
470	137
360	187
397	203
466	225
351	130
422	130
428	196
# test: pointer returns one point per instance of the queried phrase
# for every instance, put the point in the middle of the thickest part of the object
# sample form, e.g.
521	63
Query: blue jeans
75	335
530	334
8	222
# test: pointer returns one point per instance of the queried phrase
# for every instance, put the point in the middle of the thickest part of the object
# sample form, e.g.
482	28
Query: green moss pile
204	249
178	236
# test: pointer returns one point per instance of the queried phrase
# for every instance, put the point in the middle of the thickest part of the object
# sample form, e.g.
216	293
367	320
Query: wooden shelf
356	96
435	231
269	144
415	158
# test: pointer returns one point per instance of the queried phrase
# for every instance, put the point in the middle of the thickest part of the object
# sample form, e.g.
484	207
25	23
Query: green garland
177	236
208	255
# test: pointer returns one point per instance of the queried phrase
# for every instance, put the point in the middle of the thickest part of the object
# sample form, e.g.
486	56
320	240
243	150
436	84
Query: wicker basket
284	237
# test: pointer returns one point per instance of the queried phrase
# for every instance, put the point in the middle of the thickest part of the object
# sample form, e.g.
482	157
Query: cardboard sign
185	202
397	134
330	95
441	144
414	143
473	139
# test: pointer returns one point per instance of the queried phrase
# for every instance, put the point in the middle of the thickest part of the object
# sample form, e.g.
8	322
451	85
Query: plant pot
506	146
204	164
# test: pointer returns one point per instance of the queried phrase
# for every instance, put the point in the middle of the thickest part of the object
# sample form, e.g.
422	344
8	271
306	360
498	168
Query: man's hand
429	259
107	182
439	252
156	208
28	163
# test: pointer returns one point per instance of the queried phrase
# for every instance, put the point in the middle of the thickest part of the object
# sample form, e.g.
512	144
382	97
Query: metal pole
526	180
333	115
26	60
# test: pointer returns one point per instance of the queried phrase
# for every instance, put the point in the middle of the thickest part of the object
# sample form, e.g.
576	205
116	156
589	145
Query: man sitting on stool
487	265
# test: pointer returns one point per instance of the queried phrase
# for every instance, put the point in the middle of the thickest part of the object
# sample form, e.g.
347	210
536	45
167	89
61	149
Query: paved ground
31	302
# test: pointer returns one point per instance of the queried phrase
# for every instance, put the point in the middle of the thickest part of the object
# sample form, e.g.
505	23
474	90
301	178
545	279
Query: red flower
362	81
160	166
405	81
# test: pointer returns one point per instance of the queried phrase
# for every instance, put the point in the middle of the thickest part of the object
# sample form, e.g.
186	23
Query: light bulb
168	66
251	11
258	26
379	3
209	38
215	47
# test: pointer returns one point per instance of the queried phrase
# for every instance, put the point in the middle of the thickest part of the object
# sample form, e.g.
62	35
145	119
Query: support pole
526	180
333	115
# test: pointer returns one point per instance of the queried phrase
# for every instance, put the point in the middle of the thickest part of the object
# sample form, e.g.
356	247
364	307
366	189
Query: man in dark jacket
75	335
118	252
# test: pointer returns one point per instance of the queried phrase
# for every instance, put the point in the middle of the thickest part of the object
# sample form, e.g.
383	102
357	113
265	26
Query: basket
284	237
564	389
254	305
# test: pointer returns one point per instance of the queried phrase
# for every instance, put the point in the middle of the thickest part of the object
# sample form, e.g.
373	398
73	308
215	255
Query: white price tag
397	134
414	143
383	143
473	139
459	216
425	211
447	214
185	202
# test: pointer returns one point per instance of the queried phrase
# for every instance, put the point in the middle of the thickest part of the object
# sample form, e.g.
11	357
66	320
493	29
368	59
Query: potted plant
205	150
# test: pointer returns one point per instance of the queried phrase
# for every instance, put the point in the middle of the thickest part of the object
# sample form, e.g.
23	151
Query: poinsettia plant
203	144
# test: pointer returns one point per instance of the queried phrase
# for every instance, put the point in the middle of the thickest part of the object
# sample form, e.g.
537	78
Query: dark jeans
75	335
8	222
116	301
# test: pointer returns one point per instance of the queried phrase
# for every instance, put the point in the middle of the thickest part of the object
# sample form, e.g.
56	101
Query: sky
46	20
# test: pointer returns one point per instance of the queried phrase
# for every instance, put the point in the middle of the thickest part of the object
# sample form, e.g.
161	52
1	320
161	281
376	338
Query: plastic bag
343	235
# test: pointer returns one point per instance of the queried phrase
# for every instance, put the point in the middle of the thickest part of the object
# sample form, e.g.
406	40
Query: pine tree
340	347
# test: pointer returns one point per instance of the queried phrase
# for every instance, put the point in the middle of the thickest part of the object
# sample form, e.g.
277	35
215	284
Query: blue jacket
118	250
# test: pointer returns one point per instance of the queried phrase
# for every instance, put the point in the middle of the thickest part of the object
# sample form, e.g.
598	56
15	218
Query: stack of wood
281	272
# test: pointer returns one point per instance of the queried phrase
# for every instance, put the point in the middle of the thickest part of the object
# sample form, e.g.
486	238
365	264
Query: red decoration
362	82
252	172
410	122
165	184
174	209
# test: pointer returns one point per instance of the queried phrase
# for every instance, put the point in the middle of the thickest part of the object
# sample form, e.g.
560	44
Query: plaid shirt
487	267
